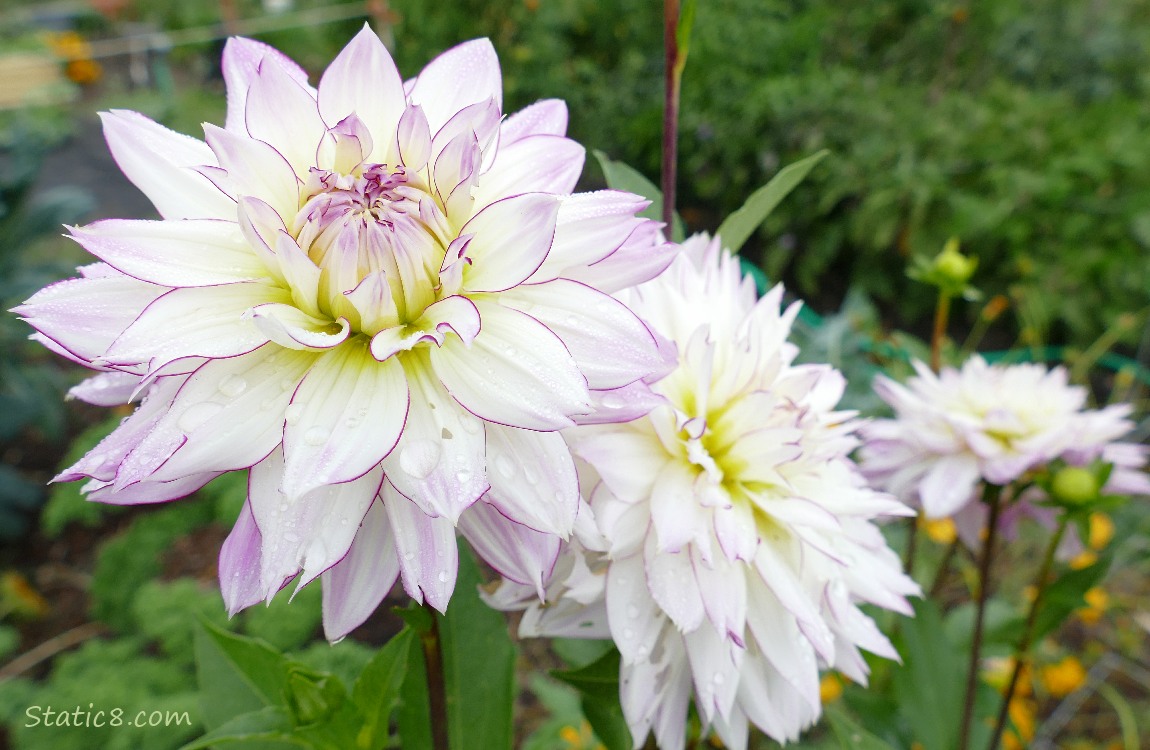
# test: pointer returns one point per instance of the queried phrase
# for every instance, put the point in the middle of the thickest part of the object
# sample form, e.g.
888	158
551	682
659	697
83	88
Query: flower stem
911	545
1024	643
943	567
672	77
941	316
991	495
436	685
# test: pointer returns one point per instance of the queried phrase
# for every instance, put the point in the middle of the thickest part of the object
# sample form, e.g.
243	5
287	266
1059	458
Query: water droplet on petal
469	423
291	537
572	320
463	475
628	633
419	457
505	465
530	474
197	414
409	556
232	386
632	611
612	401
344	521
443	576
293	412
718	678
316	436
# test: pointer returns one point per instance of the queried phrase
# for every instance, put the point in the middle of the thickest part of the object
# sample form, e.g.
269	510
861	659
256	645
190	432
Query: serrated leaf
741	224
257	728
378	689
237	675
621	176
851	735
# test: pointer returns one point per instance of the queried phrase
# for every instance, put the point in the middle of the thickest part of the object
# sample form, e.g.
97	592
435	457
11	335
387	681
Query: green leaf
1066	594
620	176
269	727
579	652
377	691
414	714
478	666
683	34
929	685
237	675
851	735
744	221
598	682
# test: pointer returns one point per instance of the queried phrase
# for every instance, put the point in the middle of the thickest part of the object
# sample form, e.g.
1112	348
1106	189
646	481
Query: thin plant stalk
943	567
436	684
672	78
991	496
1040	585
941	317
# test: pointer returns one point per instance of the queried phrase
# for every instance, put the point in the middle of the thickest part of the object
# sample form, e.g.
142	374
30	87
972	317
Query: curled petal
354	587
290	327
463	75
241	62
518	553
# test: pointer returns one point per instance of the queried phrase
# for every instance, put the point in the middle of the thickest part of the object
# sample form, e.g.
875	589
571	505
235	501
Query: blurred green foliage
1014	128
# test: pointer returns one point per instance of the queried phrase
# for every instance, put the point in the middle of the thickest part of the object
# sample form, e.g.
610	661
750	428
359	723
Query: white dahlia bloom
381	296
733	539
989	423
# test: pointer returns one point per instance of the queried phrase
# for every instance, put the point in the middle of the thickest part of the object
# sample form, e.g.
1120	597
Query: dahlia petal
511	240
362	80
641	258
780	577
309	532
529	379
254	168
190	252
159	162
241	63
439	462
671	580
715	669
544	499
948	485
621	404
611	345
635	618
231	410
544	117
285	115
413	138
724	590
356	585
145	491
239	564
588	228
675	512
428	555
777	634
627	457
463	75
194	322
517	552
106	389
84	316
479	121
538	163
292	328
625	525
457	163
346	415
736	532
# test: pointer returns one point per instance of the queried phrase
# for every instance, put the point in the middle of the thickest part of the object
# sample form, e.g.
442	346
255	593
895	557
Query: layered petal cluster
989	423
733	538
382	297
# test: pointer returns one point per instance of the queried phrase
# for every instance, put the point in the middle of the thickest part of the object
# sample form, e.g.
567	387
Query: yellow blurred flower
1022	719
18	596
1097	600
581	738
940	530
1083	559
996	673
830	688
1064	677
1101	530
75	50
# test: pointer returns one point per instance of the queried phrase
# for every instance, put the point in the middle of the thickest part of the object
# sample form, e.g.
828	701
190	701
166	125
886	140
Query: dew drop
344	521
409	556
463	475
469	423
718	678
612	401
505	465
316	436
530	474
293	412
290	536
443	576
632	611
419	458
572	320
232	386
628	633
197	415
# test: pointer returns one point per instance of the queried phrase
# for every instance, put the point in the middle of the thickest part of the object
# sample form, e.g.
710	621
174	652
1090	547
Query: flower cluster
983	423
383	298
728	539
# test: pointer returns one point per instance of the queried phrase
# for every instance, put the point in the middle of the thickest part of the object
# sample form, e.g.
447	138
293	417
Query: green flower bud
1074	485
951	268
